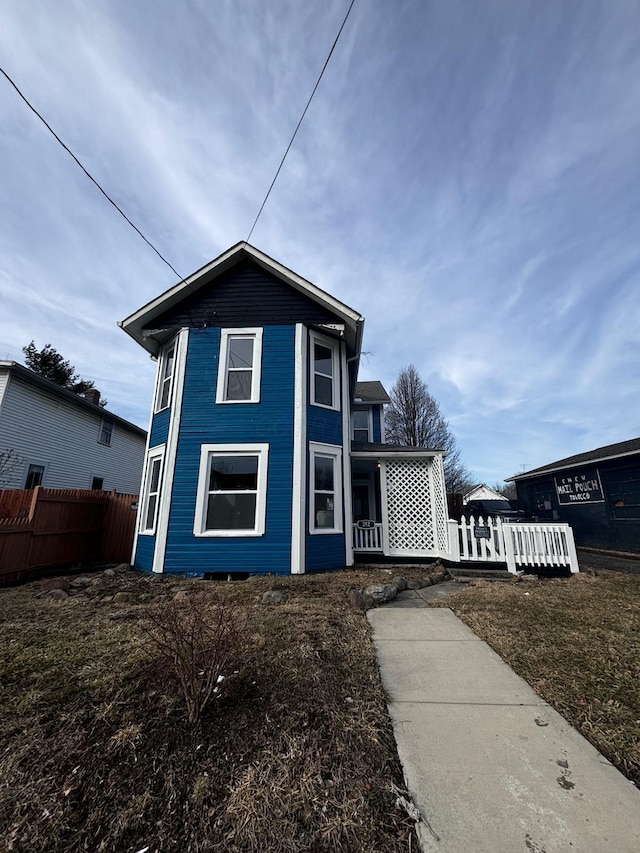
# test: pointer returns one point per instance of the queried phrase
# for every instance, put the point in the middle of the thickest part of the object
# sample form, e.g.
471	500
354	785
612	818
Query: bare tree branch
414	419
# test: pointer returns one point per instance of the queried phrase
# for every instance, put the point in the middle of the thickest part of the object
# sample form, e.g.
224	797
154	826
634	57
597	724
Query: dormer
367	413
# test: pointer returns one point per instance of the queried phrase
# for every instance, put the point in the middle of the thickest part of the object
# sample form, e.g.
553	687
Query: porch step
471	573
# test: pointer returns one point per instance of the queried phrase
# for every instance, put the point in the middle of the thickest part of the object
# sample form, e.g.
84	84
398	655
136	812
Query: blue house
265	454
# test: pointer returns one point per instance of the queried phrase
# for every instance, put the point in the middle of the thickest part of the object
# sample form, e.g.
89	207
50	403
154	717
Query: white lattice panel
411	522
440	504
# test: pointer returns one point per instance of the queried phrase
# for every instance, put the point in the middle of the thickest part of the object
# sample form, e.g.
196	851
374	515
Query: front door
361	506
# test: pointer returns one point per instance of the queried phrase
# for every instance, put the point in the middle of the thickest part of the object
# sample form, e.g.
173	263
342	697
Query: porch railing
516	544
367	538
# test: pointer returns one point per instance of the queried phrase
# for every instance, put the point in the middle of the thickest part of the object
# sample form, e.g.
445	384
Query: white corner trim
298	501
384	507
206	450
162	524
346	459
254	334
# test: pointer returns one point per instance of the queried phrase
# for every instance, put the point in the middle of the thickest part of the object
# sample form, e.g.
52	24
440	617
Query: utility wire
91	178
301	120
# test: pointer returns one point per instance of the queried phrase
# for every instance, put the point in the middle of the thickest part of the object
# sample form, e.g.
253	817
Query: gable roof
135	324
600	454
470	493
371	392
30	378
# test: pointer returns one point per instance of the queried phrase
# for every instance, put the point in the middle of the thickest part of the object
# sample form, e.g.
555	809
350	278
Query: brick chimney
93	396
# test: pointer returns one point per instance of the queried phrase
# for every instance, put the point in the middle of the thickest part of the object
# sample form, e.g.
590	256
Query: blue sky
467	177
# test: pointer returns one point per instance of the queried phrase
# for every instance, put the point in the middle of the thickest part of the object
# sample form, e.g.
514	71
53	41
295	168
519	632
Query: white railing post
571	548
509	550
454	540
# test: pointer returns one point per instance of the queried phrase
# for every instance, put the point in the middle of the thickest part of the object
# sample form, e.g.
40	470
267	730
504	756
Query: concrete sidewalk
491	766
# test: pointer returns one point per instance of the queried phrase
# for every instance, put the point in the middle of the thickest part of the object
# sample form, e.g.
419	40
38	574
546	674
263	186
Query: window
239	368
97	483
34	476
151	493
324	372
326	489
361	425
232	490
167	366
106	432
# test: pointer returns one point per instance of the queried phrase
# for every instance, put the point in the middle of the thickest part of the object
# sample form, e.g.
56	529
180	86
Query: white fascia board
134	323
398	454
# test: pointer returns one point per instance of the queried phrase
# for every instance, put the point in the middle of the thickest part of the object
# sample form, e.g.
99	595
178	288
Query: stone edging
380	593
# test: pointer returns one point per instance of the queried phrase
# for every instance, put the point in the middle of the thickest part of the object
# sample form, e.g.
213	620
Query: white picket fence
516	544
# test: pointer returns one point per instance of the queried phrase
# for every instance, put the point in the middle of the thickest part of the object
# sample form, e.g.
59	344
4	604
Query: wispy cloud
466	177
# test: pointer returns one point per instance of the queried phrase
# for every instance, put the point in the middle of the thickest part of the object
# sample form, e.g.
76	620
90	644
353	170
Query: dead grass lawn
96	754
577	642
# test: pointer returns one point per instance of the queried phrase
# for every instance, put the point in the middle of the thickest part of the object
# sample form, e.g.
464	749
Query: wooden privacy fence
51	527
514	543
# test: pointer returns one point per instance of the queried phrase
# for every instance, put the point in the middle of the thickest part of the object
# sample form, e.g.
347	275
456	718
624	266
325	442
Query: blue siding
204	422
145	547
325	551
324	425
160	428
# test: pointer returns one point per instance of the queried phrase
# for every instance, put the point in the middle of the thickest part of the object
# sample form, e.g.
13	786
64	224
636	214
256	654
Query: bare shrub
204	643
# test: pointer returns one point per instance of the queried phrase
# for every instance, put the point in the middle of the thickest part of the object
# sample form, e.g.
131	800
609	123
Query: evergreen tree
48	362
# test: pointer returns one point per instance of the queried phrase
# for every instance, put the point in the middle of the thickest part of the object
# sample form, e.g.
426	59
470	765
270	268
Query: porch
399	502
507	545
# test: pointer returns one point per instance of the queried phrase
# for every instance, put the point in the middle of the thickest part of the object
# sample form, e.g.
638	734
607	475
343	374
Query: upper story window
165	384
240	365
106	432
232	490
324	372
361	425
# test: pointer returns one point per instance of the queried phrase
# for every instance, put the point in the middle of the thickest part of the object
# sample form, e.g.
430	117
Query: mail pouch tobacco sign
581	487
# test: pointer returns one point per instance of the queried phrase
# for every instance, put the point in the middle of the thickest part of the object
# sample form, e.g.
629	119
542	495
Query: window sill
235	402
332	532
227	534
322	406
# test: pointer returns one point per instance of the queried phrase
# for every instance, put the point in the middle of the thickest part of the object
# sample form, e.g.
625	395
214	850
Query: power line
90	176
301	119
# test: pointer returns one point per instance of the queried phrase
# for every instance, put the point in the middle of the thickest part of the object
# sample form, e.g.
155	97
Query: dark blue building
259	428
596	492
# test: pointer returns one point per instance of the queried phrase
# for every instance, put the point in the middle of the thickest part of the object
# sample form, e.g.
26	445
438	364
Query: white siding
3	384
46	430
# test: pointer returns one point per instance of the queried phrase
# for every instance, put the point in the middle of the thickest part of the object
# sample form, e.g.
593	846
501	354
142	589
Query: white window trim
103	422
333	345
369	412
172	345
153	454
259	450
334	451
256	367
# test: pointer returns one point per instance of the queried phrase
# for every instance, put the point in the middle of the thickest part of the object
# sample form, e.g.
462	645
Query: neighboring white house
482	492
63	441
